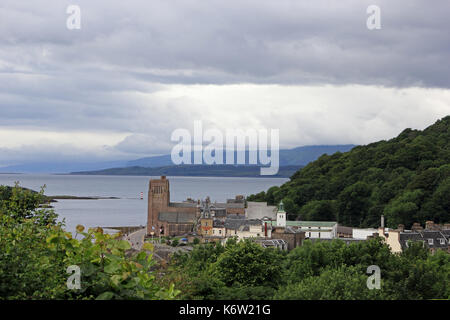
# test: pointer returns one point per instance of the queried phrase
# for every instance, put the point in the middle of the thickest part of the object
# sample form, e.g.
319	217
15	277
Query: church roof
177	217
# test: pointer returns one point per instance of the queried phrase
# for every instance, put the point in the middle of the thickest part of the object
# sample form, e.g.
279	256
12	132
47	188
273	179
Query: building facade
169	218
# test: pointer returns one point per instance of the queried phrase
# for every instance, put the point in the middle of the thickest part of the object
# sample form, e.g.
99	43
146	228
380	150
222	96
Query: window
442	241
220	231
430	242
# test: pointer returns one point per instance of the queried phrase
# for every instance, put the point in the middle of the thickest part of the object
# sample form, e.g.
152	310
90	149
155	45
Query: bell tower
281	216
158	200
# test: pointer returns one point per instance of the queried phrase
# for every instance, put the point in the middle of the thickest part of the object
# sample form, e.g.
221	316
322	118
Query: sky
137	70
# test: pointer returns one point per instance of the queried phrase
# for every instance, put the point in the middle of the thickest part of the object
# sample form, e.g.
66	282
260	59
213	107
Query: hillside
406	178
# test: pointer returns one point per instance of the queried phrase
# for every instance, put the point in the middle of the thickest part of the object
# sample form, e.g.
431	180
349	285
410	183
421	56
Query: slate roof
177	217
228	205
446	233
183	204
236	205
425	236
218	223
219	213
235	216
241	224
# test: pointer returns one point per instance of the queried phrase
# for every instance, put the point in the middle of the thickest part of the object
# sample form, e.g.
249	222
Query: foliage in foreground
320	270
36	252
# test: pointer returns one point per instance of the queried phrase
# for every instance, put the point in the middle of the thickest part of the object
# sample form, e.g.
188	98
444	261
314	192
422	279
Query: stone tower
158	200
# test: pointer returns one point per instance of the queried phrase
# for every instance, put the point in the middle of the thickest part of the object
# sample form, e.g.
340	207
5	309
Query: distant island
291	160
194	171
299	157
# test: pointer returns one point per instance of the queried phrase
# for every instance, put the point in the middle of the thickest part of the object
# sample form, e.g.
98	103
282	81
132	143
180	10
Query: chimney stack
429	225
382	222
416	226
401	227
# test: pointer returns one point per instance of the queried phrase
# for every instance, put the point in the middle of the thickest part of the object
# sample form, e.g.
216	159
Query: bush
36	252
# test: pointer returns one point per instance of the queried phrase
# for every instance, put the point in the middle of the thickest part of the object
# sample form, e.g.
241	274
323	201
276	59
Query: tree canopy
406	178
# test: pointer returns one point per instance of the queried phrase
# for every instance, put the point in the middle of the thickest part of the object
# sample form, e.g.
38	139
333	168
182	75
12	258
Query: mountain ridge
298	156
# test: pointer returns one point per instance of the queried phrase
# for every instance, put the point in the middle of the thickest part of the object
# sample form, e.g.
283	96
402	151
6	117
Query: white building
314	229
281	216
360	233
259	210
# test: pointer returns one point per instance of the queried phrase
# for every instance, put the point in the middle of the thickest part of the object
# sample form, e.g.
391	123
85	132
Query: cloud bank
137	70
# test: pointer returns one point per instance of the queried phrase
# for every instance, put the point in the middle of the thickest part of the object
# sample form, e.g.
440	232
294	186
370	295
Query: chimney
429	225
416	226
163	177
382	222
401	227
446	226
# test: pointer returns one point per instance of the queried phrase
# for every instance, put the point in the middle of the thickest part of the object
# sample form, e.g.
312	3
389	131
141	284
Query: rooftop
310	224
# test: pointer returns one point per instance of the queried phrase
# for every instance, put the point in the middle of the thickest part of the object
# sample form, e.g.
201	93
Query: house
242	228
218	228
434	237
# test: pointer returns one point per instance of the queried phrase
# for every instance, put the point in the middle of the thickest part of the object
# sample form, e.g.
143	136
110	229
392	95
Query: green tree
343	283
319	210
36	252
248	264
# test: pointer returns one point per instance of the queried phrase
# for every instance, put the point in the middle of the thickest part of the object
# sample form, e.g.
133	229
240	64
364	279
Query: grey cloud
294	42
141	144
107	76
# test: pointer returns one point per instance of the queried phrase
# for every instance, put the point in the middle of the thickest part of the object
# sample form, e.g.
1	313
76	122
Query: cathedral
168	218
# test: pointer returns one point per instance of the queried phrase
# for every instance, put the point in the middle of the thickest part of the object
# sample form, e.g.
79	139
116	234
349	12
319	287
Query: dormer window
442	241
430	242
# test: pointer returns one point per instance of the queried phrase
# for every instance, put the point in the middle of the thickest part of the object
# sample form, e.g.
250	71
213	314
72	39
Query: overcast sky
139	69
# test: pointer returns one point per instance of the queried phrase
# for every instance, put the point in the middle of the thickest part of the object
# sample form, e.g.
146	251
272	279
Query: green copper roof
281	207
322	224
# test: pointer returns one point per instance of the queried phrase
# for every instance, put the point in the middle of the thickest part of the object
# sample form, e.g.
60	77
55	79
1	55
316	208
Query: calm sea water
129	210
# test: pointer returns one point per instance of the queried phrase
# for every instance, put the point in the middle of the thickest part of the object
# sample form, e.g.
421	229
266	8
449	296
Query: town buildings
213	221
434	236
179	218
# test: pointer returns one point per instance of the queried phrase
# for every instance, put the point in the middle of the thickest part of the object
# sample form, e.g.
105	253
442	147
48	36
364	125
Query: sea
129	209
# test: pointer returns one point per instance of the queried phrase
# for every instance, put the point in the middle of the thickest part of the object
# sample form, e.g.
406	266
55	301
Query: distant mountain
194	171
299	156
60	167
